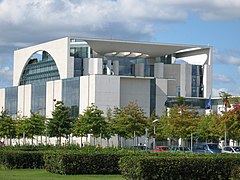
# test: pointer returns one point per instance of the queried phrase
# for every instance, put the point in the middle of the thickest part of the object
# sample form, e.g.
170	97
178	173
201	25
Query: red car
161	149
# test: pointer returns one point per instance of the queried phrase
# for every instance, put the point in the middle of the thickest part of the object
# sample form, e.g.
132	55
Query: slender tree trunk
10	140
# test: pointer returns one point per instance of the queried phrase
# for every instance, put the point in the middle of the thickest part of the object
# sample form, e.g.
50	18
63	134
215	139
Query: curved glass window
41	67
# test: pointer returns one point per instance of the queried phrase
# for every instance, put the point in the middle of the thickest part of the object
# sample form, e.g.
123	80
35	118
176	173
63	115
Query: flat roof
106	46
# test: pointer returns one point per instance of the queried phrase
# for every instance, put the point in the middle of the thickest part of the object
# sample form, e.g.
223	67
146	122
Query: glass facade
71	94
197	81
38	101
127	65
165	59
193	102
40	68
79	53
11	100
152	95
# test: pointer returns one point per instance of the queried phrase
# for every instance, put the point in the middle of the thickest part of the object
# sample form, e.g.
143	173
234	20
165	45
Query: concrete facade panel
135	90
53	94
186	80
107	93
2	99
24	100
161	96
58	49
84	93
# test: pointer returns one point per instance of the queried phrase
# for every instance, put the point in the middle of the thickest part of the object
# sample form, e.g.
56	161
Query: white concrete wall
92	66
172	72
2	99
116	67
58	49
70	64
172	87
84	93
24	100
139	69
107	92
109	67
135	90
207	80
186	80
102	90
53	94
158	70
161	95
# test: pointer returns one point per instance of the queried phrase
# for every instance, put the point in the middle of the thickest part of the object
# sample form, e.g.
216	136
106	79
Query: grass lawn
40	174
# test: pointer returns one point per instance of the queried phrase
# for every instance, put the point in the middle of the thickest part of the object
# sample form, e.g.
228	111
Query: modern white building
108	73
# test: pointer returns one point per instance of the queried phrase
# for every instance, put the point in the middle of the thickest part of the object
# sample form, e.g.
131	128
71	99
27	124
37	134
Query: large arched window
41	67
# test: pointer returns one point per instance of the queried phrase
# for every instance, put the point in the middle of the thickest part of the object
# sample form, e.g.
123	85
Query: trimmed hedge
182	167
82	163
21	159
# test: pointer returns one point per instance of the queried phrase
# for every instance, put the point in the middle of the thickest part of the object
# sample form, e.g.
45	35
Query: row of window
70	97
42	70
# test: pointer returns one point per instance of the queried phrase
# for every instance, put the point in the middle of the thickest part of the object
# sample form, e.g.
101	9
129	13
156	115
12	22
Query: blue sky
201	22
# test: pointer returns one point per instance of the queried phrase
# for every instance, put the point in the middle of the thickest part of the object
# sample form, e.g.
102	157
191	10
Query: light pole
154	133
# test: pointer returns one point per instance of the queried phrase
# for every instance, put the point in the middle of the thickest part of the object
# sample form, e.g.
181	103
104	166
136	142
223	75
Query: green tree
129	121
180	123
231	122
61	124
20	128
91	121
210	128
35	125
7	126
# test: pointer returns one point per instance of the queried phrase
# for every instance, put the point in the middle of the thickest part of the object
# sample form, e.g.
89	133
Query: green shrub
82	163
21	159
179	167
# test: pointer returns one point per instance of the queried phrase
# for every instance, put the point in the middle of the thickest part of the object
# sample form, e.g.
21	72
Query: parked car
161	149
180	149
207	148
140	147
231	149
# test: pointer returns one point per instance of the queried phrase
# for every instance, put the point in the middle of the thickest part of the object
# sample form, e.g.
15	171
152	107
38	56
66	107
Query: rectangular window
11	100
71	94
38	101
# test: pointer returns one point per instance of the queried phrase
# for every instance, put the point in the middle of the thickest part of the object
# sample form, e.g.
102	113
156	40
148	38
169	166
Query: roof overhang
130	48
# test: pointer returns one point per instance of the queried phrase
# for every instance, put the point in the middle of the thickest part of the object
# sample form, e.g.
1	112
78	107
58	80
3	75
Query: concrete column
139	69
109	67
158	70
116	67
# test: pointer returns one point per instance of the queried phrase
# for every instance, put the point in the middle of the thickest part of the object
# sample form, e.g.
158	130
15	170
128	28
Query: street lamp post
154	133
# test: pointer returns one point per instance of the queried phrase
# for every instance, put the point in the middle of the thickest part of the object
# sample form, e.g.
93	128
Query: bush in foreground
182	167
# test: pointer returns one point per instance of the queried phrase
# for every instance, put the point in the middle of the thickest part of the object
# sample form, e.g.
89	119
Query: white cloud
220	10
215	91
28	22
227	57
221	78
132	18
5	75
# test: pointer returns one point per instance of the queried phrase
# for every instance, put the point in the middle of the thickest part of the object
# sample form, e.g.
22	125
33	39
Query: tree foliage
210	128
34	125
7	125
180	122
61	124
129	120
91	121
